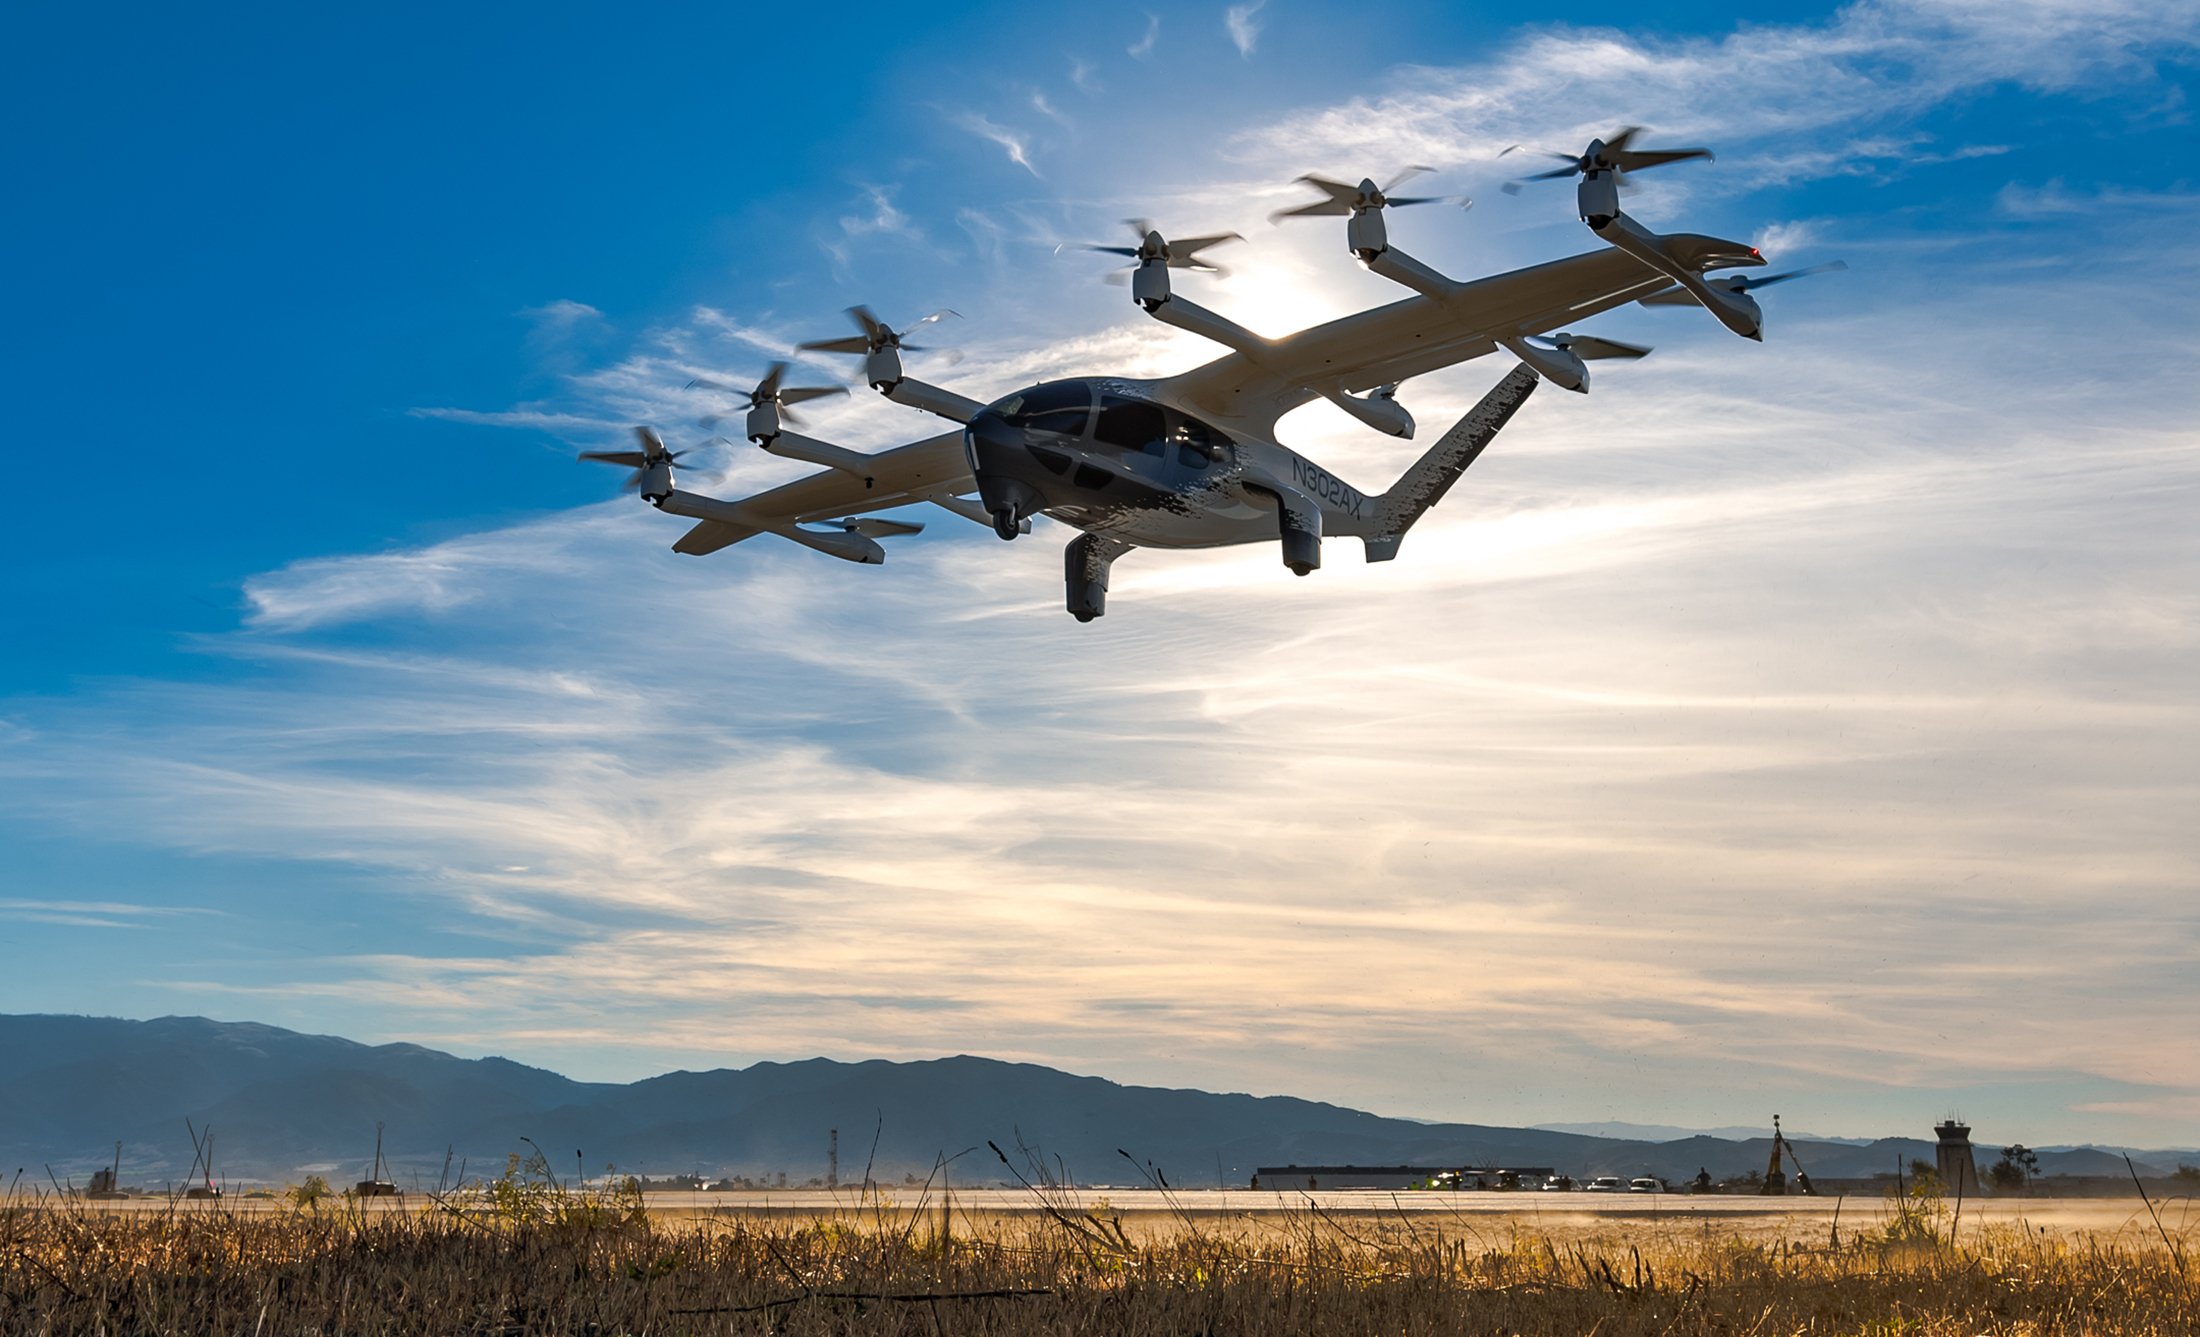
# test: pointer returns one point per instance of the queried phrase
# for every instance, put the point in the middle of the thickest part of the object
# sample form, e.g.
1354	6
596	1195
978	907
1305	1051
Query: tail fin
1431	477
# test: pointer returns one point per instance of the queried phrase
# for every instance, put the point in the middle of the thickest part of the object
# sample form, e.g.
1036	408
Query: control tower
1953	1159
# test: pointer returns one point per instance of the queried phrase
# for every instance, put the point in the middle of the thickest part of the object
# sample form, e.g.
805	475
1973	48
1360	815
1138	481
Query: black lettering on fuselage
1325	487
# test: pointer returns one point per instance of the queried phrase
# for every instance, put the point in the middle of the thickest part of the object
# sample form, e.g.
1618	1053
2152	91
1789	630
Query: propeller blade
1831	266
873	328
1635	162
1554	174
1543	153
804	394
1318	209
1407	175
1131	251
1618	143
854	343
1404	201
652	444
768	388
941	314
1182	250
631	459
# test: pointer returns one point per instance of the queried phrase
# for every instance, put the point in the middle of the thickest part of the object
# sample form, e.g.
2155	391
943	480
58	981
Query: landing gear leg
1006	523
1085	565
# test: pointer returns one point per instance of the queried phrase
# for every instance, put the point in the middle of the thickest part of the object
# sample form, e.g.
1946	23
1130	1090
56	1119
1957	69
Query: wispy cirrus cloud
1871	64
1143	47
93	914
1243	23
1012	142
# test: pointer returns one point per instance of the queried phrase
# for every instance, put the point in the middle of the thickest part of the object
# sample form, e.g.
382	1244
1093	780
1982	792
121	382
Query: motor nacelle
1560	366
1150	284
1598	197
1367	234
1738	311
1379	411
763	421
882	368
654	481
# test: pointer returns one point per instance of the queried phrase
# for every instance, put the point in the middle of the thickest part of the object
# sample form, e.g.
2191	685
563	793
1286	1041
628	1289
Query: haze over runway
1805	727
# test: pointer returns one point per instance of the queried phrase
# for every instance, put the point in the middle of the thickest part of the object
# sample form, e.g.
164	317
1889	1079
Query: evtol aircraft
1192	460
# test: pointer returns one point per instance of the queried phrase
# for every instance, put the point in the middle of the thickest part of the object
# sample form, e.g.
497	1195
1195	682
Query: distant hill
282	1104
1660	1132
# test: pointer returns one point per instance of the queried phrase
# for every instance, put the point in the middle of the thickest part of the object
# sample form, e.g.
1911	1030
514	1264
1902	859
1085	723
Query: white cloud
563	314
1799	90
1015	144
1143	47
1243	23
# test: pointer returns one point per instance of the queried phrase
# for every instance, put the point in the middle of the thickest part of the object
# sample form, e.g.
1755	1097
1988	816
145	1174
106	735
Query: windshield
1061	406
1147	428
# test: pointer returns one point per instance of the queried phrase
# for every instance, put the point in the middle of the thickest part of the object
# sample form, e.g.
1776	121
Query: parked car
1606	1184
1559	1184
1645	1184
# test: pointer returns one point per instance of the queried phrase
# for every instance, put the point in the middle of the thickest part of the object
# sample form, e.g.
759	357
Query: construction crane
202	1156
375	1186
1775	1181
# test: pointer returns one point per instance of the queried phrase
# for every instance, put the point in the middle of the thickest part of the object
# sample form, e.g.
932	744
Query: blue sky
1803	726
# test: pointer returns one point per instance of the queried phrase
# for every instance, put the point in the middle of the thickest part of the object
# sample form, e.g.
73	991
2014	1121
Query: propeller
1588	347
652	454
877	334
1183	253
1739	283
1340	200
1616	155
769	391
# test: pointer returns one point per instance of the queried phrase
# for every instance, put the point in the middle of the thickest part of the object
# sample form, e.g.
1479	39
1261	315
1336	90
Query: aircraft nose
990	437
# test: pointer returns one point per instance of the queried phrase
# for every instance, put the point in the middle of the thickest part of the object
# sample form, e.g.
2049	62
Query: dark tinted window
1132	425
1059	407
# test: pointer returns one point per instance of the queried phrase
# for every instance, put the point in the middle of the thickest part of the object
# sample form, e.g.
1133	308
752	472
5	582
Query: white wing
927	470
1252	389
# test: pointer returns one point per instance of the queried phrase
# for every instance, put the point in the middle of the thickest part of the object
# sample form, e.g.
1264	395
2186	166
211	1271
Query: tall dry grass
544	1262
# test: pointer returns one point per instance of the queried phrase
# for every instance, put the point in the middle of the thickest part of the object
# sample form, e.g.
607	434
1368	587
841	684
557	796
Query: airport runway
1573	1212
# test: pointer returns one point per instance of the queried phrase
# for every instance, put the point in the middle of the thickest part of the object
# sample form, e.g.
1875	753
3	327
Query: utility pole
832	1162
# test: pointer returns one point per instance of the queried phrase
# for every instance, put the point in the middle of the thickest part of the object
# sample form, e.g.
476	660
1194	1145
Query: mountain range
283	1104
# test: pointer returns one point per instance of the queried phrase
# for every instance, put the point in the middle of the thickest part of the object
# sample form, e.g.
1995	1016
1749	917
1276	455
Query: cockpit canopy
1123	422
1057	406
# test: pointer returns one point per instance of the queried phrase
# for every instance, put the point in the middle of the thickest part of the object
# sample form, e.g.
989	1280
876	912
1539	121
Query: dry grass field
522	1257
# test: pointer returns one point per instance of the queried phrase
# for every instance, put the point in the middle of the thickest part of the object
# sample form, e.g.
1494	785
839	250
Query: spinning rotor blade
768	390
1677	296
1184	252
1181	253
1743	283
1341	199
854	343
652	452
877	334
1615	155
